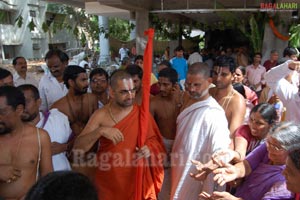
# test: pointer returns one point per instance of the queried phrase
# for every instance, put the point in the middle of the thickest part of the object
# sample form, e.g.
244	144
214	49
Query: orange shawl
116	172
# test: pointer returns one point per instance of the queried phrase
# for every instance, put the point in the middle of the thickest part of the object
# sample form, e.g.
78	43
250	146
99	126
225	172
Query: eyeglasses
274	147
98	80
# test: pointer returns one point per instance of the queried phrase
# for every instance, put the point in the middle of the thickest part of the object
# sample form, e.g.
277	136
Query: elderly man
202	129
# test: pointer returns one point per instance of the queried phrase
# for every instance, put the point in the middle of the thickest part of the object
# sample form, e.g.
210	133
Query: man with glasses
202	129
99	86
117	128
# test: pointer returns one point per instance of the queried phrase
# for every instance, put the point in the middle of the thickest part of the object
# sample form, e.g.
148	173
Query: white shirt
255	75
123	53
194	57
58	128
287	92
50	91
29	79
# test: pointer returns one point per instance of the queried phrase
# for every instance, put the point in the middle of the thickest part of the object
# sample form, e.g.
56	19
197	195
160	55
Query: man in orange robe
117	128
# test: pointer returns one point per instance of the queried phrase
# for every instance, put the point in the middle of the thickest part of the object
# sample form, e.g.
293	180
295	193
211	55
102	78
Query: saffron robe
116	172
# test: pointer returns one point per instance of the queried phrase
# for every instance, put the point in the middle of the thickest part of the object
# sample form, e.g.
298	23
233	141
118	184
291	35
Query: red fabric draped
144	116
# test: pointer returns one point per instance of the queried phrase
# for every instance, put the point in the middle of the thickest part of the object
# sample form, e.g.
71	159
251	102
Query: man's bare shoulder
238	98
32	131
60	104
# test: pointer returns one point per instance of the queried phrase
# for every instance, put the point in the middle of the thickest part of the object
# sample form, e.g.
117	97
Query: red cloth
117	168
268	64
251	95
245	132
154	89
297	197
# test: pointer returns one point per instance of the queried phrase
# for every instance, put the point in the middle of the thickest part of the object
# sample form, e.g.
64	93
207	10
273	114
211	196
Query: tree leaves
19	21
31	25
295	35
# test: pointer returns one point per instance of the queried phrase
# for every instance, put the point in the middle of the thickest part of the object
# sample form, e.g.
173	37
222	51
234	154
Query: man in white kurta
285	90
202	129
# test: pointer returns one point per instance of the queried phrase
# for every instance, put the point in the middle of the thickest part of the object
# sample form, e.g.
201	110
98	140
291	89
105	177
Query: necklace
227	100
111	115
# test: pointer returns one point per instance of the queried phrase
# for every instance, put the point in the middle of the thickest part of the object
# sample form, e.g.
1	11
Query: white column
104	57
132	35
142	24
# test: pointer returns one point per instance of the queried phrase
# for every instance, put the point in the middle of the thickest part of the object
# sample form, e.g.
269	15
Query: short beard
5	130
29	118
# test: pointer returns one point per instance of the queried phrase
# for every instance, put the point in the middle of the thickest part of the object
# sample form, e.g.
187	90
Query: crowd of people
219	128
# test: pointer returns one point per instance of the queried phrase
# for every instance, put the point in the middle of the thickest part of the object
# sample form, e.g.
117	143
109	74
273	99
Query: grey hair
287	134
200	68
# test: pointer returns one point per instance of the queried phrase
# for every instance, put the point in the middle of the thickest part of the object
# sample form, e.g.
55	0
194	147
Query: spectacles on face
274	147
98	80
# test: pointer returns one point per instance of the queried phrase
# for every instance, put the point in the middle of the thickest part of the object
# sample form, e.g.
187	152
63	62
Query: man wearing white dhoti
202	129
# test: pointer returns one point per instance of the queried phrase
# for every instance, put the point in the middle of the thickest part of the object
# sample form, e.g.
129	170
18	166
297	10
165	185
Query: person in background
180	65
22	76
99	85
6	77
51	86
195	56
255	75
273	61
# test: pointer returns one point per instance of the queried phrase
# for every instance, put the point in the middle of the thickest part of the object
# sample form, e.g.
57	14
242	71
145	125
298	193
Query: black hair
63	57
166	63
99	71
179	48
240	88
134	69
32	88
295	157
4	73
267	111
139	57
63	185
289	51
169	73
243	69
14	96
72	72
14	62
225	61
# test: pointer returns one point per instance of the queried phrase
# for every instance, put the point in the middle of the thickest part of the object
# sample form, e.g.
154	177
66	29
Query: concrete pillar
104	57
132	35
142	24
271	42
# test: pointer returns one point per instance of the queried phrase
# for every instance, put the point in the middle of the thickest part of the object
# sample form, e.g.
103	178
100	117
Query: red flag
144	115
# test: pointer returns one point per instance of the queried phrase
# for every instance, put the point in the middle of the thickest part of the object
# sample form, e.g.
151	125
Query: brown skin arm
57	148
237	114
46	154
91	132
240	145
